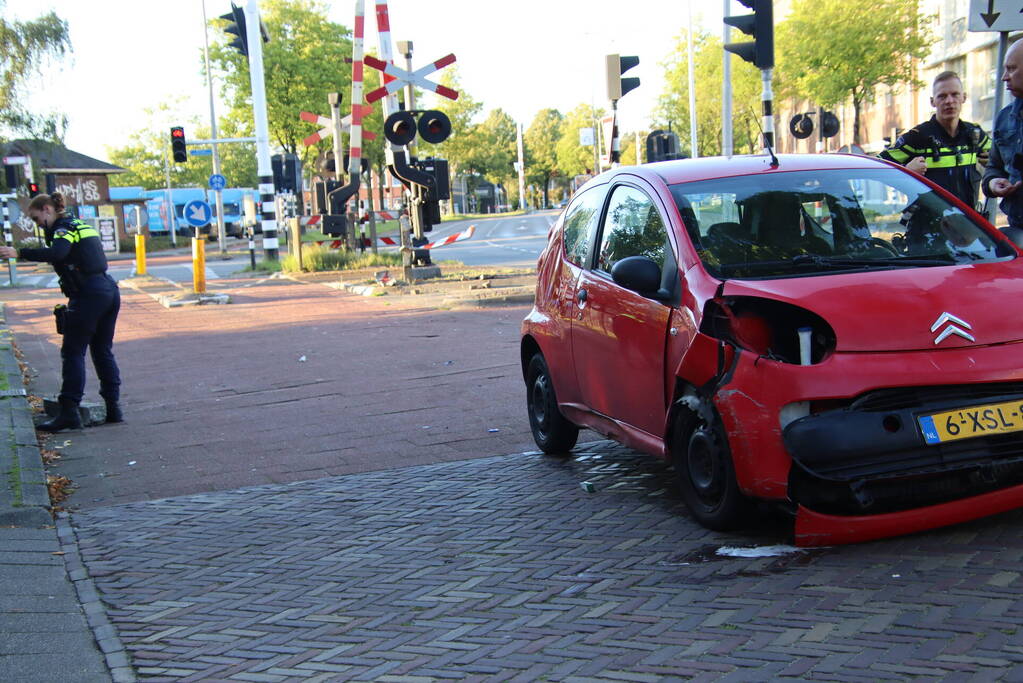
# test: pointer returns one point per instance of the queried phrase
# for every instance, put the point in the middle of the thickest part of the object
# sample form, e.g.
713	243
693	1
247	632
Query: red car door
619	336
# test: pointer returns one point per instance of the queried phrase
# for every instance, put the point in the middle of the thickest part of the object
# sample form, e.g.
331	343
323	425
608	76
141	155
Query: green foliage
25	47
541	144
317	259
146	154
573	158
302	63
832	50
708	73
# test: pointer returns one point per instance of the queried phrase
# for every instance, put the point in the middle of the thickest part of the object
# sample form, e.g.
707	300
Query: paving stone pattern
506	569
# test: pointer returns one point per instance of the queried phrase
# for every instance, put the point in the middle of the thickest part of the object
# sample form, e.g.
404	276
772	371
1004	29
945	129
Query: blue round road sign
217	182
198	213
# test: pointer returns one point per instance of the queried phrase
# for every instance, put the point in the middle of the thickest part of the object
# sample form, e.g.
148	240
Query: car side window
633	227
581	225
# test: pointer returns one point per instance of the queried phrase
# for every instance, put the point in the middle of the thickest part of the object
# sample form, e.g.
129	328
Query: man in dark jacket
1004	174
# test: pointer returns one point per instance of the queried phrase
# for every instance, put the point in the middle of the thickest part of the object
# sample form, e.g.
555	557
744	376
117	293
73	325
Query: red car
827	332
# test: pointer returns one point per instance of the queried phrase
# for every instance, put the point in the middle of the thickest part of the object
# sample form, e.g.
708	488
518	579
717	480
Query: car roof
707	168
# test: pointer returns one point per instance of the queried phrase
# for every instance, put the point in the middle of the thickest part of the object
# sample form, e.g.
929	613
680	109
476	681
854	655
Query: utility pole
264	170
522	166
693	153
221	232
726	90
171	218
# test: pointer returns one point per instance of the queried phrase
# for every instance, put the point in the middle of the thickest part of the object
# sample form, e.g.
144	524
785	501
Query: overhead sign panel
995	15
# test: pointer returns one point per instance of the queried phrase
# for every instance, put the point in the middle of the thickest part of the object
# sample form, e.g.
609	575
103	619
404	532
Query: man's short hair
946	76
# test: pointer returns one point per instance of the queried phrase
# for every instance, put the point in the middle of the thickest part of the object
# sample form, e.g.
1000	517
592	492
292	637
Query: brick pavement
505	569
399	560
217	397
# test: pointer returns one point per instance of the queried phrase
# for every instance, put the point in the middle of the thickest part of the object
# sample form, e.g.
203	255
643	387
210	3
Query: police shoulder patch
59	232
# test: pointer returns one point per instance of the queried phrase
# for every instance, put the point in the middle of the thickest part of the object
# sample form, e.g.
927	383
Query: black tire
706	475
551	431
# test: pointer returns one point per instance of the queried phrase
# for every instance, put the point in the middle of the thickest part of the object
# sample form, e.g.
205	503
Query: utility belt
72	281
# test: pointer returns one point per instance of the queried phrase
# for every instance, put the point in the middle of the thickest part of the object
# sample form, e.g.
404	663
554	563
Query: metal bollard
140	254
296	239
199	265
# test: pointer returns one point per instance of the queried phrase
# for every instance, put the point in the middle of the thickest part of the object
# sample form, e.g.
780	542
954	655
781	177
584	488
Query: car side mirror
640	274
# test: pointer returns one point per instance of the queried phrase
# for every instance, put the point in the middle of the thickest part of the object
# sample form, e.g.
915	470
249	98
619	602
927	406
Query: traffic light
287	172
760	25
236	26
33	189
616	85
662	146
178	148
829	124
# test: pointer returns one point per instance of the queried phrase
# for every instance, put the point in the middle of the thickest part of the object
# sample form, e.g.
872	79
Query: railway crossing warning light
616	85
760	25
401	126
178	148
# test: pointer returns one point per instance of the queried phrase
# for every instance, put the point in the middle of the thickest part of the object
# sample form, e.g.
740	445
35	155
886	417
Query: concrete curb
24	499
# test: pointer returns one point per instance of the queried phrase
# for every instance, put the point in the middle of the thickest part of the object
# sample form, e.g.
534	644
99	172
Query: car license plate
965	423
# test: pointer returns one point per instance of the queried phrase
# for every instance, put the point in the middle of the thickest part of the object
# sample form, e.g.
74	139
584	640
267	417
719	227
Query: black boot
68	418
114	412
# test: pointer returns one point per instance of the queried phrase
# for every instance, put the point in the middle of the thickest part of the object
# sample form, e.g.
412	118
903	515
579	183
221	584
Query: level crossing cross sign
328	129
403	78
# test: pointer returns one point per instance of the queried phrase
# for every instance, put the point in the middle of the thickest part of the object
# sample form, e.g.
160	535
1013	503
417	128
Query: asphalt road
514	241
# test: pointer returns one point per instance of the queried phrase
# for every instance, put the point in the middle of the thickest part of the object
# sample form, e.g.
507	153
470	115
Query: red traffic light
178	147
33	189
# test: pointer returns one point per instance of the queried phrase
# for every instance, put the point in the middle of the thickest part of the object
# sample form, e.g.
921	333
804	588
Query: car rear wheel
551	431
706	475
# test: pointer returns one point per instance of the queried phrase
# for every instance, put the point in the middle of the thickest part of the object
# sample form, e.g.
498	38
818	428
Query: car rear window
799	223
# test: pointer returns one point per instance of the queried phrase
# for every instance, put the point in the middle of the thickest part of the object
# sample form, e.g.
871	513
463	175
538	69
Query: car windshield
799	223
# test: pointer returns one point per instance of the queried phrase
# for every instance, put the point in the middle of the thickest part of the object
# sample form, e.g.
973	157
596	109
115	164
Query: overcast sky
527	55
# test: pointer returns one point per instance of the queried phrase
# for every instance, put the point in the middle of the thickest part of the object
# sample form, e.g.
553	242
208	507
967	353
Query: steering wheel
882	244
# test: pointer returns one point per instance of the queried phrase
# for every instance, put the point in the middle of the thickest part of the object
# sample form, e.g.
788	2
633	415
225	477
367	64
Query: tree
145	155
25	47
573	158
541	140
836	49
673	104
307	58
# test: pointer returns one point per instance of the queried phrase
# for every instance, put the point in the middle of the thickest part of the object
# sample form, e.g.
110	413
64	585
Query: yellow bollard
199	265
140	254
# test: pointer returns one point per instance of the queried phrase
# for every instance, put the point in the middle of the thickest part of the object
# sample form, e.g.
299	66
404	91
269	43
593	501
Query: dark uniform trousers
91	317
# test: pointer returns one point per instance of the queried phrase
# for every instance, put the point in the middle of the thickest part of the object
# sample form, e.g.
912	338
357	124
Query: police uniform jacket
74	248
951	161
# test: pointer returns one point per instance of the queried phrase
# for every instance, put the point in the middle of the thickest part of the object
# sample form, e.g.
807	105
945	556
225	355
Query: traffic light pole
766	100
264	170
219	196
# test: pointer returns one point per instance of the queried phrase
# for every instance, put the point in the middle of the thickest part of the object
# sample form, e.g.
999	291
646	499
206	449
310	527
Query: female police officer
74	249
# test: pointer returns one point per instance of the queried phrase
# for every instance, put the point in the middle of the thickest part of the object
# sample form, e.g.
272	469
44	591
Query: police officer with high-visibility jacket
945	150
74	249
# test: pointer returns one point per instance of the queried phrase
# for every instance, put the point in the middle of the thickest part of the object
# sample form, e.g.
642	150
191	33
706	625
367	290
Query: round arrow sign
198	213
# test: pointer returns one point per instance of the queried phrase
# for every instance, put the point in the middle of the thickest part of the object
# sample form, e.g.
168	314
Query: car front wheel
551	431
706	475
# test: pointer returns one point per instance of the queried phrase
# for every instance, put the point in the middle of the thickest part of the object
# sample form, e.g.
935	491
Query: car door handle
581	295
